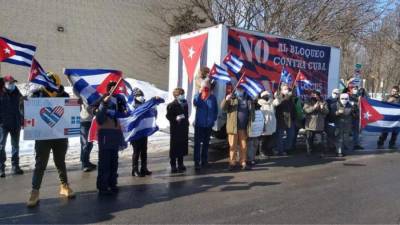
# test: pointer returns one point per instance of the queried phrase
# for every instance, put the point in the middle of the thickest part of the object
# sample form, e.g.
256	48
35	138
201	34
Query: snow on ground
158	142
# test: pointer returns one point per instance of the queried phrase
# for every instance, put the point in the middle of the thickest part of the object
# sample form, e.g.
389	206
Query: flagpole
237	84
115	87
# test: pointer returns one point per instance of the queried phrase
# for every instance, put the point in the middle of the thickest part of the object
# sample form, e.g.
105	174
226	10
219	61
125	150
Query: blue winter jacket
206	111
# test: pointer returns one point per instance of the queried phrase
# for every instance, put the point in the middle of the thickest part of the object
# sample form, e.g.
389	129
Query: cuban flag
90	84
377	116
37	75
286	77
233	63
252	87
16	53
142	121
220	74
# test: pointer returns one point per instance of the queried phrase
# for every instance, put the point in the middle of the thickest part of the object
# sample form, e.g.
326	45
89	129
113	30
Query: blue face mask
10	86
181	98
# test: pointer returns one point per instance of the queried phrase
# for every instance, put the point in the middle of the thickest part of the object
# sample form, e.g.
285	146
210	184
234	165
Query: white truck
264	56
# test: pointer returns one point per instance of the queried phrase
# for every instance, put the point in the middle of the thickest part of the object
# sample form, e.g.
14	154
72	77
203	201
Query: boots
145	172
16	170
66	191
135	172
33	199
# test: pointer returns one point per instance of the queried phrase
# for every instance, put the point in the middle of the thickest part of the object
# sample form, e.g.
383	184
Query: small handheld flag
233	63
252	87
37	75
220	74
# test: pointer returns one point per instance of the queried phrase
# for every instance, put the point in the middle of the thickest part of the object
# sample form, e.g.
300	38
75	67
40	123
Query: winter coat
11	109
315	117
285	111
330	118
268	111
344	116
86	113
394	99
179	130
206	111
109	133
231	109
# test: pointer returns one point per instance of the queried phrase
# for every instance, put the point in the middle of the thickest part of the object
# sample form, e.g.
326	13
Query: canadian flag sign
191	49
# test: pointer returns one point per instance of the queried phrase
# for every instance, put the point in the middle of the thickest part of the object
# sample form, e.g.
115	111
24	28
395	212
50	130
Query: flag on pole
233	63
90	84
252	87
286	77
37	75
16	53
377	116
220	74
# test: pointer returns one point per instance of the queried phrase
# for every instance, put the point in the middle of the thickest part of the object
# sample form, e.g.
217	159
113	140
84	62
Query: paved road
362	188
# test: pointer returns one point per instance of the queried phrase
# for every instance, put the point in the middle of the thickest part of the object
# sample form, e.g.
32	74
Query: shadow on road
88	207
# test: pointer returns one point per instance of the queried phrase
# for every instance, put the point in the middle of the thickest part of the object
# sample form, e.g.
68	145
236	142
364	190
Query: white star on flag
7	51
191	52
367	115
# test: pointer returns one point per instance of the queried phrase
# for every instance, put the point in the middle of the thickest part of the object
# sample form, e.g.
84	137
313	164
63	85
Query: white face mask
285	91
140	99
354	91
9	86
344	101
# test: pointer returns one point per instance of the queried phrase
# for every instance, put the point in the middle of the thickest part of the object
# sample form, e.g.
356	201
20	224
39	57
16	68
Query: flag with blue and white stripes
252	87
233	63
39	76
141	122
220	74
378	116
286	77
16	53
86	81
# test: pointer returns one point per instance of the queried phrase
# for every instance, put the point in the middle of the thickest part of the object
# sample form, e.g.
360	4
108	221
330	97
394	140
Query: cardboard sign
257	124
51	118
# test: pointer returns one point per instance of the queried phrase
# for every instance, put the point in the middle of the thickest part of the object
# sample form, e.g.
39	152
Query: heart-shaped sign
51	115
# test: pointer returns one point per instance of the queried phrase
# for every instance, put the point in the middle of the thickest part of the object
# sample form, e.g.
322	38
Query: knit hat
265	93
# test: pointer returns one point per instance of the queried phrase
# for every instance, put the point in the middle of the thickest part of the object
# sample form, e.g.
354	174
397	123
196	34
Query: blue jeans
14	133
86	146
201	142
284	147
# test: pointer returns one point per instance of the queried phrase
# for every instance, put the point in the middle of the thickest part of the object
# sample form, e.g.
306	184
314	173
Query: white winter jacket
268	109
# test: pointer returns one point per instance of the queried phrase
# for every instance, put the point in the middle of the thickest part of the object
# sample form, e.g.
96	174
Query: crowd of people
267	125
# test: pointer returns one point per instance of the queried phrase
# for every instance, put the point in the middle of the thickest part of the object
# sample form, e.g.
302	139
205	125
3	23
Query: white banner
257	124
51	118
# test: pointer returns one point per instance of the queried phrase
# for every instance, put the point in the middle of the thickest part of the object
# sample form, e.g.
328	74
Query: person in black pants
140	145
110	139
86	116
177	114
393	98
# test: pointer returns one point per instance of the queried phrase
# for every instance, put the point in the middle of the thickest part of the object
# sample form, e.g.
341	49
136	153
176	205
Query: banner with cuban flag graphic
378	116
251	86
91	84
16	53
220	74
286	77
39	76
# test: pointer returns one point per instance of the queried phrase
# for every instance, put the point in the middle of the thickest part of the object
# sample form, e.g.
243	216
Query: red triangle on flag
102	88
191	49
368	114
5	50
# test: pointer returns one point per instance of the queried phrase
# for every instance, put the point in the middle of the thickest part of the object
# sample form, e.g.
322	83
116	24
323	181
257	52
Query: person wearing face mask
354	100
178	116
43	148
240	112
268	110
330	120
139	145
110	139
315	110
206	115
10	123
344	114
393	98
285	116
